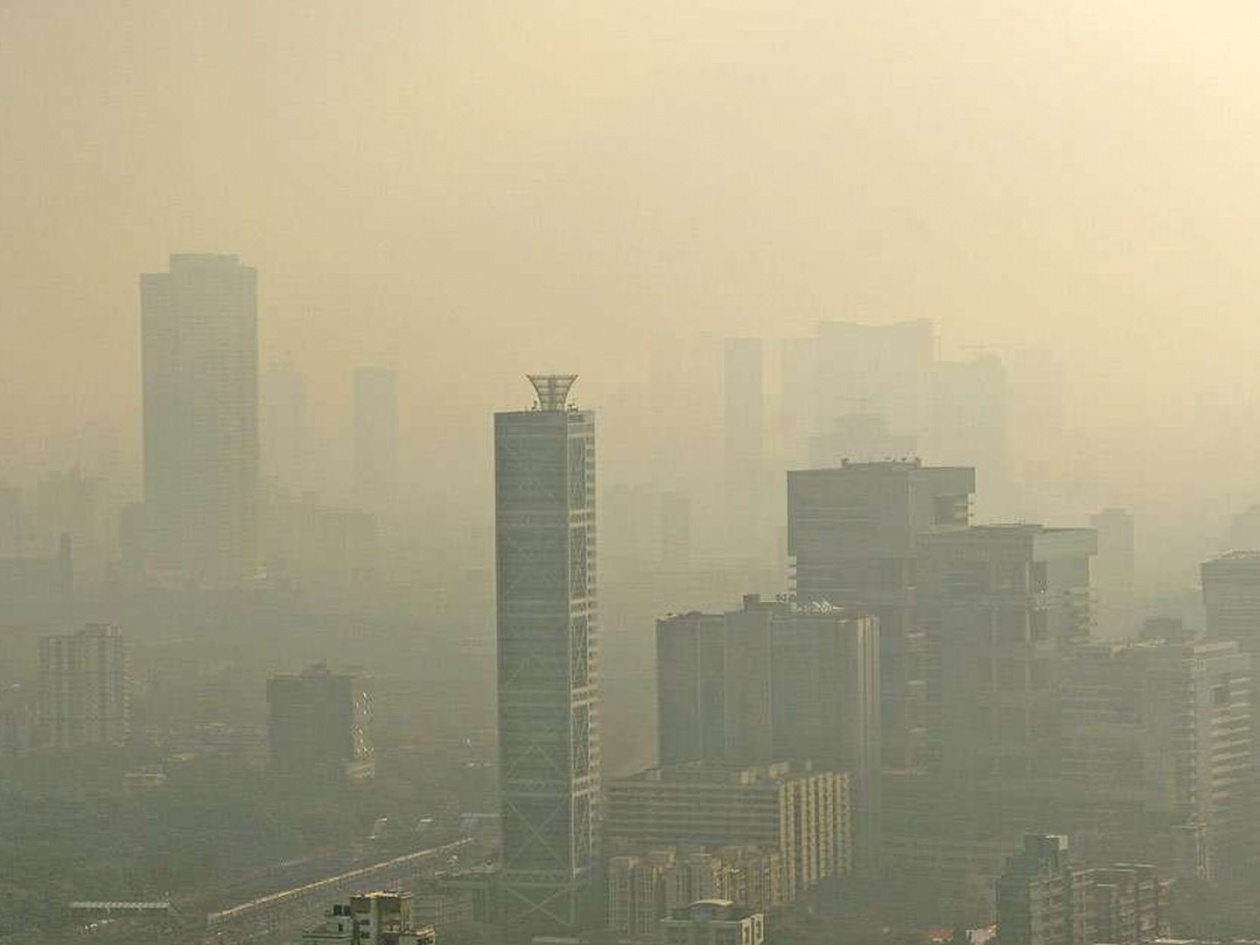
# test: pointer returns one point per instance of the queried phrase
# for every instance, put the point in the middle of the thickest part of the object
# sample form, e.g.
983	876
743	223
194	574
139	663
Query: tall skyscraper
853	534
83	698
199	323
547	658
376	435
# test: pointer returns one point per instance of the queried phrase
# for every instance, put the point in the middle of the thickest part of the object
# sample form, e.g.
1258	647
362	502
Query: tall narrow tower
547	682
200	351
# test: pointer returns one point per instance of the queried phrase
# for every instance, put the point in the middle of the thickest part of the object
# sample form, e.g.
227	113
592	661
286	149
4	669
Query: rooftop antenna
552	390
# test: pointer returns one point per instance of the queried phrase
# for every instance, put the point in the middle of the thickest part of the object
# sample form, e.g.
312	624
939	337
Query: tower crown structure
552	389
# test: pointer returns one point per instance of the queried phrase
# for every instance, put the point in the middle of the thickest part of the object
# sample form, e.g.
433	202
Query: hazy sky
466	190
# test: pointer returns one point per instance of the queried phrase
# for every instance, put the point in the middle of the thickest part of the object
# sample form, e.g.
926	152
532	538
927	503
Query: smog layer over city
583	473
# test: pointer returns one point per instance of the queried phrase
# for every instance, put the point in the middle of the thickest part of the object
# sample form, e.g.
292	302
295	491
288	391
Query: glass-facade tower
547	658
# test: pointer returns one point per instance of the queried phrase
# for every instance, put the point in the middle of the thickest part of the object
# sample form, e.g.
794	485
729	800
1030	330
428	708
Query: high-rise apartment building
1231	597
199	323
775	682
1164	729
83	695
853	536
376	435
1000	604
1042	899
319	724
547	658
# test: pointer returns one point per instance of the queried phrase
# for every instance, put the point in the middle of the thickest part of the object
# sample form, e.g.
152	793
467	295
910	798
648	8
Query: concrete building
714	922
1231	597
372	918
83	688
775	682
853	537
1000	604
1042	899
376	436
1164	729
643	889
548	690
319	724
1113	573
199	325
804	815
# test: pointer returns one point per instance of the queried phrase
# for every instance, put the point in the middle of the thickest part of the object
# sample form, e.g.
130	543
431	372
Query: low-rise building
714	922
802	814
372	918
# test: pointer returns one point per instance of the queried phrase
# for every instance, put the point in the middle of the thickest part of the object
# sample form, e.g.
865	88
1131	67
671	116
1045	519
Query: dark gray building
319	724
853	536
547	658
199	323
770	683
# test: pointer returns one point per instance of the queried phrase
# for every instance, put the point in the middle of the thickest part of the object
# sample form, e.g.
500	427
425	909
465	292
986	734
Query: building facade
804	815
1164	729
547	658
714	922
775	682
853	537
83	688
319	724
1042	899
199	326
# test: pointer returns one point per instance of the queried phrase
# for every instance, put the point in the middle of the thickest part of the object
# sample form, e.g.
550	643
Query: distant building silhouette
319	724
548	690
1042	899
83	688
201	450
